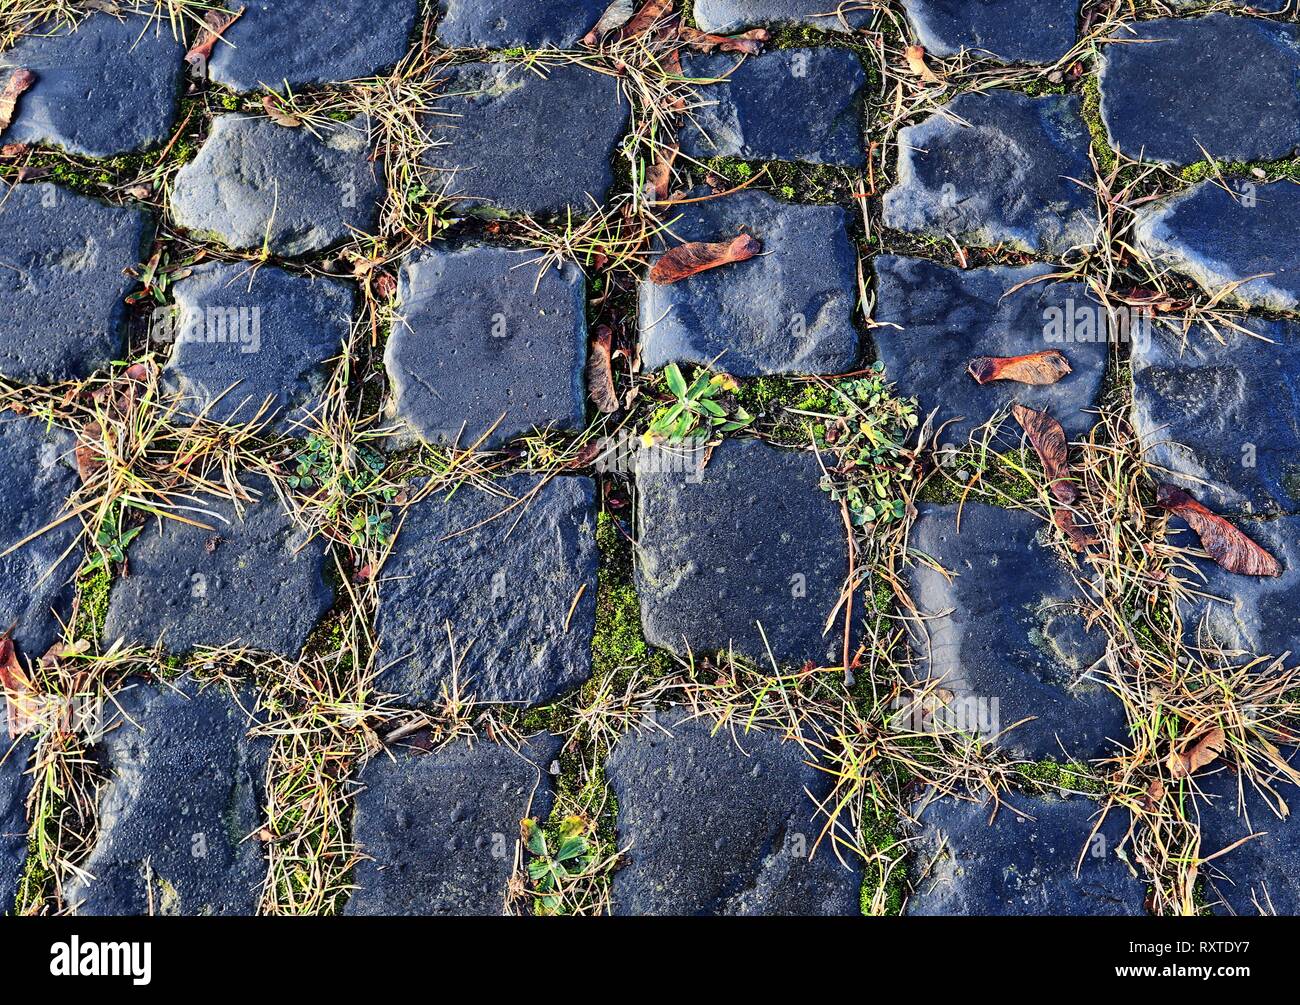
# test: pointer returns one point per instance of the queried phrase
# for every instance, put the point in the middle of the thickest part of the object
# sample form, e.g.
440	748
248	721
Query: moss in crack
1261	171
93	590
1051	777
997	479
818	184
884	884
618	646
1101	148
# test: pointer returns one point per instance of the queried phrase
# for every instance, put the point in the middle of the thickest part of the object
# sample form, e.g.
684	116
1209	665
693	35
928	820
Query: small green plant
315	465
550	871
111	542
695	404
371	529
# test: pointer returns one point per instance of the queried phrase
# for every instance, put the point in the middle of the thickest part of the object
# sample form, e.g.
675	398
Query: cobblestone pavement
553	457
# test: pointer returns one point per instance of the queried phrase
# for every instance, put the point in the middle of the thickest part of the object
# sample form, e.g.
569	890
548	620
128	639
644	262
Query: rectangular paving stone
15	783
440	830
508	140
1175	91
254	580
729	16
518	592
1004	633
787	105
750	540
1036	857
723	825
506	24
245	339
485	347
63	258
181	804
1223	420
932	321
1010	30
787	310
109	87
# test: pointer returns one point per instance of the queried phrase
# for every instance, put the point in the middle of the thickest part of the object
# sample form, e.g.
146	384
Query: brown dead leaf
660	176
12	151
1223	541
89	463
650	14
215	23
1037	368
1048	439
750	43
277	115
21	697
687	260
915	56
18	81
1154	795
600	372
1080	540
1204	751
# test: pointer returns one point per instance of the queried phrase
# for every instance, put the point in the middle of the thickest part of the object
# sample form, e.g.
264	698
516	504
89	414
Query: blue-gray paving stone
247	337
1223	419
517	586
486	341
181	805
997	167
752	539
932	320
506	24
15	756
788	310
257	184
1175	91
723	822
255	580
1005	633
787	105
62	281
440	830
507	140
38	468
303	42
1218	238
1044	860
110	87
728	16
1009	30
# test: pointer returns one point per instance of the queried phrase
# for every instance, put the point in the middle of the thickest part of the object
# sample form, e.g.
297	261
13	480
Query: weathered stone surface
245	338
507	589
110	87
505	24
510	141
303	42
788	310
255	581
14	786
750	539
735	15
785	105
62	287
484	341
38	471
932	321
997	168
1219	237
440	829
1174	91
1223	420
1006	634
255	184
182	801
1006	29
724	824
1021	864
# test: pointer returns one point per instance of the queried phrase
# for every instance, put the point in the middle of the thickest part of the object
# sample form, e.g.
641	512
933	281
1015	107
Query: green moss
93	589
1106	159
883	842
1288	168
1051	776
804	183
619	646
997	478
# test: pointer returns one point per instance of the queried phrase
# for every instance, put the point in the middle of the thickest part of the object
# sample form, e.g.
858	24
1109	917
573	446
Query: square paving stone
1223	420
440	830
305	42
1218	237
1004	632
15	783
933	320
997	167
483	342
254	580
516	586
1041	861
256	184
180	807
729	16
788	310
508	140
110	87
717	824
247	337
1009	30
38	470
787	105
507	24
750	540
1175	91
62	281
